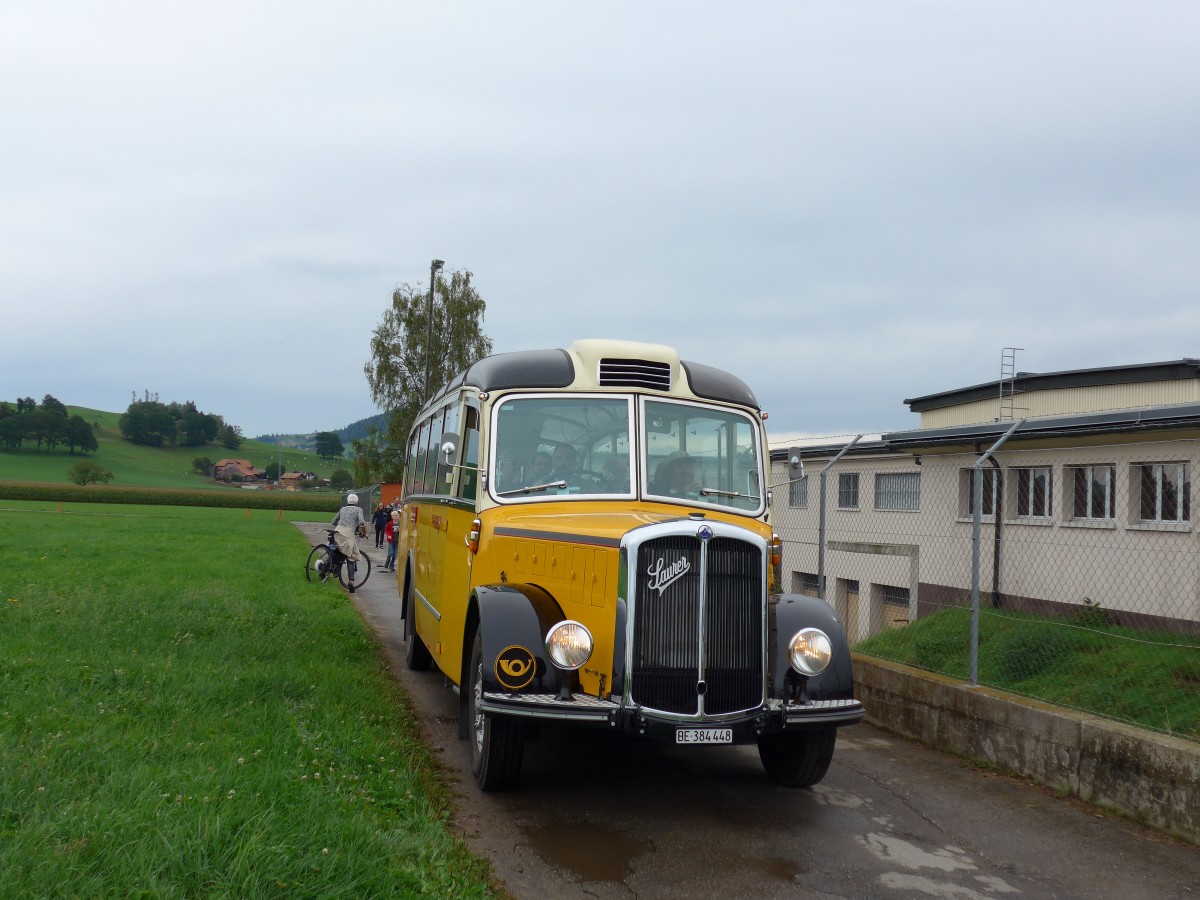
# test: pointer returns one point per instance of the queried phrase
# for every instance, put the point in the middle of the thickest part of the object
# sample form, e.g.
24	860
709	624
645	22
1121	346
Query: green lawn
136	465
184	714
1147	679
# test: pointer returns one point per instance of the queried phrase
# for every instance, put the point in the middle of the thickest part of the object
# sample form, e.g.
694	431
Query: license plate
704	735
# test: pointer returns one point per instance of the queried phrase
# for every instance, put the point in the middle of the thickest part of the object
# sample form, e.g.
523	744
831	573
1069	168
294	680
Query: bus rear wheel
497	744
416	654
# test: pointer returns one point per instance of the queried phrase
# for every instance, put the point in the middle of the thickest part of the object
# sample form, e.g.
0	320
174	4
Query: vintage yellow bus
585	539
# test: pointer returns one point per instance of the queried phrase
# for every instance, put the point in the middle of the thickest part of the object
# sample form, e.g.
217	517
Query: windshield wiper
533	488
707	491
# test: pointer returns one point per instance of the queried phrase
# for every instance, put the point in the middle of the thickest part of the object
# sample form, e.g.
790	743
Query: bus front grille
681	664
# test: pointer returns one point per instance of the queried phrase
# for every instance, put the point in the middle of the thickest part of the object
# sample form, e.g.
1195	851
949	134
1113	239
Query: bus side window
468	484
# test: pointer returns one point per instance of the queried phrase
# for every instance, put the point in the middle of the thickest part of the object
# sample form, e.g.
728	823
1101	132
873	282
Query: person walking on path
390	535
381	520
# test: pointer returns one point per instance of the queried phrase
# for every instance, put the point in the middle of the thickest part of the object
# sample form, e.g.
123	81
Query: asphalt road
596	816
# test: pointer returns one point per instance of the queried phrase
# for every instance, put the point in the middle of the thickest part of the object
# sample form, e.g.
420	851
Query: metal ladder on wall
1008	385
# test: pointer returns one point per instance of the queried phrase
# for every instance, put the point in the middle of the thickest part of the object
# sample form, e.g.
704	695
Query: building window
990	480
848	490
1033	492
1163	492
898	490
806	583
894	596
798	493
1093	488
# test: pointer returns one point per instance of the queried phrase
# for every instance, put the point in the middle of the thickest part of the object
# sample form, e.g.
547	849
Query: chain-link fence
1078	585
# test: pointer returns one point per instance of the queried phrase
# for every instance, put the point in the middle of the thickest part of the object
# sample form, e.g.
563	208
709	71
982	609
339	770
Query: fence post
976	529
821	526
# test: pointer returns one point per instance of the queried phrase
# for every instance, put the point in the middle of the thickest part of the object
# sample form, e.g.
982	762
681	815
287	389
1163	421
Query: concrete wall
1152	777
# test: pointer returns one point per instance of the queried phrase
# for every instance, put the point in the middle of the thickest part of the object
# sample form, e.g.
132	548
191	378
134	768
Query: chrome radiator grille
673	651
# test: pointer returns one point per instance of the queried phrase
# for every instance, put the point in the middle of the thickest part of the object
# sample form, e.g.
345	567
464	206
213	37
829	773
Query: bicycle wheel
319	566
362	571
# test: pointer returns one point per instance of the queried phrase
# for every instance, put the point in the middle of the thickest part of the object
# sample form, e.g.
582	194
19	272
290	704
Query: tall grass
183	714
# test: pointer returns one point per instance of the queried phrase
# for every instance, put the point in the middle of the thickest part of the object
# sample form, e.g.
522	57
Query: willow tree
396	370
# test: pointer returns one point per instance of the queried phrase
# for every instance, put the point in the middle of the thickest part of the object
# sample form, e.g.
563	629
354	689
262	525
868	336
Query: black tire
797	759
497	743
416	654
362	571
318	567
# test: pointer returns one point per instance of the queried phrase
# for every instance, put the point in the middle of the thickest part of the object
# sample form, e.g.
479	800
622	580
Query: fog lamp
810	651
569	645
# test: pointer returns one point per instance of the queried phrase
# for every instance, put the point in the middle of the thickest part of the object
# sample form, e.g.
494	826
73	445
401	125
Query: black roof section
717	384
1024	382
554	369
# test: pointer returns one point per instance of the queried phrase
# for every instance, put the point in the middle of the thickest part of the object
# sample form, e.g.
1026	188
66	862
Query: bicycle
325	560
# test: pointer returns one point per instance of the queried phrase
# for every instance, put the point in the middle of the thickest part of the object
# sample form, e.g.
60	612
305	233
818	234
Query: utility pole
435	266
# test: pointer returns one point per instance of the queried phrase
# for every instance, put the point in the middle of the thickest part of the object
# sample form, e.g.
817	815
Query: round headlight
569	645
810	651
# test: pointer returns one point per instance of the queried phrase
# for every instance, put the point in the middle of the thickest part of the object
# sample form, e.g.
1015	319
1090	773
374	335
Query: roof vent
635	373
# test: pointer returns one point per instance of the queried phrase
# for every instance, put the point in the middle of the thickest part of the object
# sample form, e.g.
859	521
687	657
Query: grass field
184	714
132	464
1146	679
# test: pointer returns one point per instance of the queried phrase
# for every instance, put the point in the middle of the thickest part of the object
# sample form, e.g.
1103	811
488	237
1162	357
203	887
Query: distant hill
168	467
308	441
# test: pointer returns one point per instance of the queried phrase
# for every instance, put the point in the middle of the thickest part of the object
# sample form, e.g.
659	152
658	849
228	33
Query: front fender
513	621
792	613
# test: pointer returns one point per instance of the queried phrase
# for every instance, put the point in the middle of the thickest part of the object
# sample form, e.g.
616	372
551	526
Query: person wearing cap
347	525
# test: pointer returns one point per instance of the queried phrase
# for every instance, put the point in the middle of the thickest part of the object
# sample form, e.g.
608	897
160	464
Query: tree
230	436
396	370
273	470
329	445
79	434
51	405
195	428
84	472
341	479
201	465
12	432
148	422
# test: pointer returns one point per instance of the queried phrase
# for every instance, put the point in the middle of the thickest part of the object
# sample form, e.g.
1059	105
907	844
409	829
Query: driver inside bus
566	461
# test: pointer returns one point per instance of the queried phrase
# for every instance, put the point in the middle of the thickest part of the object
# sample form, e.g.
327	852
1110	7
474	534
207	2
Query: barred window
1033	492
848	490
1163	492
898	490
1093	488
990	480
798	493
806	583
894	596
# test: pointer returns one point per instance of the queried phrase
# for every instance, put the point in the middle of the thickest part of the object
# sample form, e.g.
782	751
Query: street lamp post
434	267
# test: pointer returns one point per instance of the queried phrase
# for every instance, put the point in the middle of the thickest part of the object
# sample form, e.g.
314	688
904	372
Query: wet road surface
596	816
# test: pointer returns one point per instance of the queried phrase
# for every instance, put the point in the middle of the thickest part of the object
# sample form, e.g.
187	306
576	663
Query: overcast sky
845	203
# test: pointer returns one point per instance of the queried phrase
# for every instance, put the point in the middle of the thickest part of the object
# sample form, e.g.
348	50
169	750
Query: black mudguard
516	616
792	613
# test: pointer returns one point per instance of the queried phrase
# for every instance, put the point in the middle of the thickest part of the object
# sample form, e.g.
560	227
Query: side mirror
795	464
449	448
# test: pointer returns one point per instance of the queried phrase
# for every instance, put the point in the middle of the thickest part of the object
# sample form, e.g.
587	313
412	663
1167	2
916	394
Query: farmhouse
1086	503
237	469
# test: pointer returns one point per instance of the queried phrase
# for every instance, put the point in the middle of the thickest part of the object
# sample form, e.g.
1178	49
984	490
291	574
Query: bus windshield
580	445
562	445
701	454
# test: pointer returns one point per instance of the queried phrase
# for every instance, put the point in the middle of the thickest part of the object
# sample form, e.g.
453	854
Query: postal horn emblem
515	667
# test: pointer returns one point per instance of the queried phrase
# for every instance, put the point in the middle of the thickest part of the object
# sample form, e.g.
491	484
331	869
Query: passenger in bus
509	472
540	468
677	477
616	475
566	462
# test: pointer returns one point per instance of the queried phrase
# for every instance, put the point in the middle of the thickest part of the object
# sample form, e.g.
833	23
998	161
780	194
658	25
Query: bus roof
599	364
